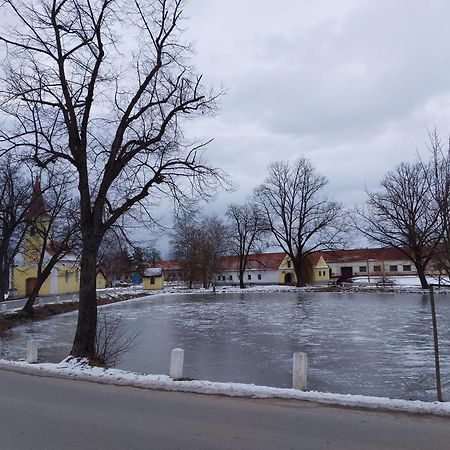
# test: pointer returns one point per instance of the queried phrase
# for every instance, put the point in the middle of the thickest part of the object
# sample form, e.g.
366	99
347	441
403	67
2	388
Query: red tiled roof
362	254
261	261
169	264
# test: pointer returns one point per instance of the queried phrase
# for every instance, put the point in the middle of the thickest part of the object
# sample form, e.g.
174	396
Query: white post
41	302
32	351
299	370
58	299
4	307
176	363
74	297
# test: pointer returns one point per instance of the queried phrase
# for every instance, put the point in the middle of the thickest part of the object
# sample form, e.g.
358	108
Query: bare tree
404	215
301	218
197	245
439	181
112	107
15	195
54	223
247	228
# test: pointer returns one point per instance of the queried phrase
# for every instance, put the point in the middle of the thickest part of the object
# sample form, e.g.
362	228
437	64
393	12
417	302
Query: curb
165	383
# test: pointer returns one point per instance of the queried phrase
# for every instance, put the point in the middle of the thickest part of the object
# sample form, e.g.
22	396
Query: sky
353	85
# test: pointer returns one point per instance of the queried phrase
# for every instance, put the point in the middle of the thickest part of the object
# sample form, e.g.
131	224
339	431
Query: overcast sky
354	85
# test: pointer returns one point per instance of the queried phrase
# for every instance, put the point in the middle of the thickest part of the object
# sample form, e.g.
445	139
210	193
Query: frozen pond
358	343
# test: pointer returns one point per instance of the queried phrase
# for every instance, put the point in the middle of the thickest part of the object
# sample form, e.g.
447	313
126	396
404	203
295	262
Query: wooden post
436	346
299	371
32	352
176	363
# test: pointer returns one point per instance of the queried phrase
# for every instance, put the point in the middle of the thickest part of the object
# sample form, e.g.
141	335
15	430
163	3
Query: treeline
291	210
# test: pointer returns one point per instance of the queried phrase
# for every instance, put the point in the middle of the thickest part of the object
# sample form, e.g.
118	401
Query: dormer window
289	263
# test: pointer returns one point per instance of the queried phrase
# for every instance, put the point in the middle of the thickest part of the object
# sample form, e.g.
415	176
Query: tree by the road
300	216
439	175
110	105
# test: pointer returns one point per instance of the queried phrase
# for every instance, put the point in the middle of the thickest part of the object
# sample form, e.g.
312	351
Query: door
346	273
30	284
288	278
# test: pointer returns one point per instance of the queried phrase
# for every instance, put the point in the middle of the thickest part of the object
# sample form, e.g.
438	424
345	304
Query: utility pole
436	346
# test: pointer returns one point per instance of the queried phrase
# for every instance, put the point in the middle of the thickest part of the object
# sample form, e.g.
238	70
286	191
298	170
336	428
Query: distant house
153	278
341	265
262	268
172	271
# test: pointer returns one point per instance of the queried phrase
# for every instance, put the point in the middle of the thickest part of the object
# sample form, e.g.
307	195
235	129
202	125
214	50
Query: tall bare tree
106	86
299	215
404	215
247	229
439	181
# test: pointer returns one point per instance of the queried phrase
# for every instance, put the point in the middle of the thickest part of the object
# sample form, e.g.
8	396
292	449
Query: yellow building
65	275
286	273
316	269
153	278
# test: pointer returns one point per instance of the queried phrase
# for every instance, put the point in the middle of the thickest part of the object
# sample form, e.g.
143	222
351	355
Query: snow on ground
405	280
71	368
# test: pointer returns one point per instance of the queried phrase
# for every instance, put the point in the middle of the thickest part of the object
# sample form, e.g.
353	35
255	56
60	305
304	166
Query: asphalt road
46	413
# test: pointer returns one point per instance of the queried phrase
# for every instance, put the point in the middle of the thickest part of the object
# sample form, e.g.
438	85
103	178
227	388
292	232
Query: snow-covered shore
79	370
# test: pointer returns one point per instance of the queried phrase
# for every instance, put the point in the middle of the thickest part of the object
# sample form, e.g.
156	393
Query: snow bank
76	369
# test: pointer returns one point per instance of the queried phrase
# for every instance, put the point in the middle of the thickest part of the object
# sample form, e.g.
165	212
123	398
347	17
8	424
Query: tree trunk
84	342
3	283
28	307
41	277
422	277
241	280
4	277
298	273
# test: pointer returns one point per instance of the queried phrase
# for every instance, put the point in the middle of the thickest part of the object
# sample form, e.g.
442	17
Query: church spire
37	208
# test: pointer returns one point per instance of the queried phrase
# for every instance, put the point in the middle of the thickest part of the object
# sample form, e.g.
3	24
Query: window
230	277
320	273
66	276
219	278
393	269
152	280
223	278
259	276
377	268
249	277
362	268
289	263
407	268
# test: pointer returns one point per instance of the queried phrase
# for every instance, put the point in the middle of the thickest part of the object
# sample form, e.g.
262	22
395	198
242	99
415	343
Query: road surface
45	413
